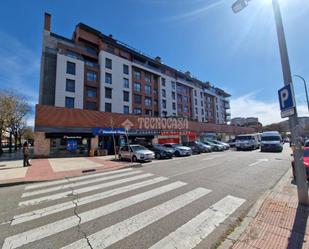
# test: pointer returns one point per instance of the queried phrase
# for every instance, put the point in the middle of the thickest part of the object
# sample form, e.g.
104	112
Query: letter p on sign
286	100
284	95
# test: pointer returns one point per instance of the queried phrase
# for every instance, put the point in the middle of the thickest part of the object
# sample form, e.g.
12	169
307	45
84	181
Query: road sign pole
302	187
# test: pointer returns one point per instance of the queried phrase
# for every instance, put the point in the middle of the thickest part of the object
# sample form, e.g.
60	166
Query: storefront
110	139
176	137
69	144
143	137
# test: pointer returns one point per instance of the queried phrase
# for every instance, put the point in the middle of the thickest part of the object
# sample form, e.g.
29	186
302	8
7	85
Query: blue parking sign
286	97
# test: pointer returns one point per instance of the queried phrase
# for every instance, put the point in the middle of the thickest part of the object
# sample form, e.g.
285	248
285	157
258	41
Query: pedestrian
26	154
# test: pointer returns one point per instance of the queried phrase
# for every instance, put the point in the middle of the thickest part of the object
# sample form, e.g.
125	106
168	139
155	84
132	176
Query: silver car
135	152
179	150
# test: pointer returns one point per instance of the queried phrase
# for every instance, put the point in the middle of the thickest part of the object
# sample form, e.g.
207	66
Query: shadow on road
297	236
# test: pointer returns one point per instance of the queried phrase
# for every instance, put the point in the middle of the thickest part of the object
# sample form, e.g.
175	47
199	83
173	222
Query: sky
236	52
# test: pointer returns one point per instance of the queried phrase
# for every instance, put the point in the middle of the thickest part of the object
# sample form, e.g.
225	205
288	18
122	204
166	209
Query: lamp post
302	187
298	76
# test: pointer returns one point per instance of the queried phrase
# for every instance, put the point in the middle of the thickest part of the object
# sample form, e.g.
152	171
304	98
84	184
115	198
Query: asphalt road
186	202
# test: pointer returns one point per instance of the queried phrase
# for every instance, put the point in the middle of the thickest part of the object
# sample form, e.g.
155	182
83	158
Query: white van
247	142
271	141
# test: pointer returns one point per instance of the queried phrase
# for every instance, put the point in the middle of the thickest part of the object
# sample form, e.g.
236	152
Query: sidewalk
277	222
12	172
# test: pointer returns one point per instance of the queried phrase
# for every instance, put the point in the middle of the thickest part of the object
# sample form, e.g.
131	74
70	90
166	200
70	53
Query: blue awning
107	131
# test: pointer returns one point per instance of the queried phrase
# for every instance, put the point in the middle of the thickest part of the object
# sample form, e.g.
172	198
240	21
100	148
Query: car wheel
177	153
134	159
158	156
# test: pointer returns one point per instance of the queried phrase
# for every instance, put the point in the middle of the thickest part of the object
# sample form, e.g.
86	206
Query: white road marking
193	232
39	213
81	190
78	184
258	161
208	158
73	179
119	231
67	223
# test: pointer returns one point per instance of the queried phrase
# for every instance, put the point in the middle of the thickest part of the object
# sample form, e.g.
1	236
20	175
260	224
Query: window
108	63
148	101
174	106
179	98
126	96
126	83
147	89
196	110
173	95
90	63
69	102
185	99
91	92
201	95
163	93
110	49
108	93
148	112
137	111
91	105
126	109
155	102
174	114
164	114
195	101
194	92
108	107
173	85
91	76
201	102
203	120
137	99
179	106
125	69
137	87
202	112
108	78
70	68
156	114
163	81
147	78
164	103
137	75
186	109
155	91
70	85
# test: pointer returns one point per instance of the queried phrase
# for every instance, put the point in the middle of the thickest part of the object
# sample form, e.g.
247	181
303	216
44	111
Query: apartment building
92	74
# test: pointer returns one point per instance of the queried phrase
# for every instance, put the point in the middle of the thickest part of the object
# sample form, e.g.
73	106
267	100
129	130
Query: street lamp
302	187
298	76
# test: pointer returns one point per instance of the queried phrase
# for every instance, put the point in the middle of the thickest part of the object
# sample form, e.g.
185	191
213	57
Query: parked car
215	147
135	152
161	151
225	145
306	163
271	141
232	142
207	148
179	150
247	142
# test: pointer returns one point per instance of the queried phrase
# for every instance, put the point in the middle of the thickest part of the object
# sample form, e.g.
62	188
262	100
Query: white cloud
267	112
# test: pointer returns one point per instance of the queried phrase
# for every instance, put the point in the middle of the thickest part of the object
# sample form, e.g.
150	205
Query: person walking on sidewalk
26	154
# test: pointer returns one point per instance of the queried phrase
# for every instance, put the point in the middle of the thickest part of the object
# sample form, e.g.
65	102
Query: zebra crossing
44	201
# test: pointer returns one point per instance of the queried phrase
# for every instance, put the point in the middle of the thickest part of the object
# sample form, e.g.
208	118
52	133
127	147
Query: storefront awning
107	131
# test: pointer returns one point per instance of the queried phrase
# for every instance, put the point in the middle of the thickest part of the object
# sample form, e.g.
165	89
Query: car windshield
306	153
159	146
271	138
241	138
137	147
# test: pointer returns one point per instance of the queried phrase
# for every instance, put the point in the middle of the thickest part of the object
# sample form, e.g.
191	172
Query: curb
21	182
232	238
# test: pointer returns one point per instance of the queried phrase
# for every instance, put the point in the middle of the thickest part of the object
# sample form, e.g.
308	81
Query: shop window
108	63
108	93
108	78
108	107
125	69
69	102
91	92
71	68
126	109
126	96
70	85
